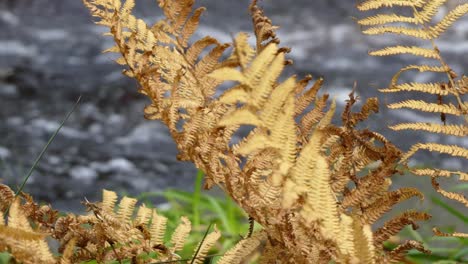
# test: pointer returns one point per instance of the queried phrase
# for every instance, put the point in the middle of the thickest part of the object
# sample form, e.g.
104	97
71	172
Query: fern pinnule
399	253
428	107
157	228
382	205
414	50
451	195
243	248
6	197
204	246
452	150
440	173
180	234
454	130
265	32
364	248
376	4
109	198
429	33
396	224
437	232
430	88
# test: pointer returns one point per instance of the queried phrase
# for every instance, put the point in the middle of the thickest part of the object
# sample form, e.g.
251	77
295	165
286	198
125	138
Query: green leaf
197	199
5	258
450	209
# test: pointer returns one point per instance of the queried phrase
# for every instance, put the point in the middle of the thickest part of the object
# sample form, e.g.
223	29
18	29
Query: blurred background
50	54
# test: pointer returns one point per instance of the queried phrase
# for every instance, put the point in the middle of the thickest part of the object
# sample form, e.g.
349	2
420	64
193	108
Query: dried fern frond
242	249
376	4
422	25
430	88
394	225
202	248
437	232
103	235
285	173
454	130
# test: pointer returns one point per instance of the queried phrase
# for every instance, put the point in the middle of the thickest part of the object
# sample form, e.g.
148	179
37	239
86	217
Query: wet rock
83	174
117	165
4	153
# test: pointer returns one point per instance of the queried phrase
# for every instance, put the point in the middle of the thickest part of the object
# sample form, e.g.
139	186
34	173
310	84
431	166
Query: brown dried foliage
103	235
316	196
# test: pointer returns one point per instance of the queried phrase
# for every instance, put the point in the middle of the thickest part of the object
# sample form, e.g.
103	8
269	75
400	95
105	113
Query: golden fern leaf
399	253
38	248
452	150
454	130
420	68
451	195
126	207
190	27
396	224
22	245
143	215
346	245
430	33
243	248
68	252
437	232
310	176
423	16
17	217
375	210
368	187
158	228
279	162
263	27
6	197
17	234
194	51
180	234
414	50
440	173
363	242
257	79
384	19
428	107
431	88
243	52
376	4
315	115
109	198
309	96
206	244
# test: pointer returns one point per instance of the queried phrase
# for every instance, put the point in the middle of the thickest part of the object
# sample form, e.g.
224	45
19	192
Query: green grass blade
201	243
5	258
44	149
460	254
221	213
460	187
197	199
450	209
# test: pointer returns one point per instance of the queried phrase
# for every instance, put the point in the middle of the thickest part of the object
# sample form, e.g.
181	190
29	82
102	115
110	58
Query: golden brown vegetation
316	188
105	234
448	93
